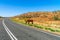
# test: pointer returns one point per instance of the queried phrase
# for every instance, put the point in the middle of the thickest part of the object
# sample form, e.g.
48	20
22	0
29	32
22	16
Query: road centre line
9	32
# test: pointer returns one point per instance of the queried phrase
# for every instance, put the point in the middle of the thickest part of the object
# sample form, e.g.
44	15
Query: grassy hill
41	16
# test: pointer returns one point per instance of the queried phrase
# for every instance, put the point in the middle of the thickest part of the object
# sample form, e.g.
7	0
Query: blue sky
15	7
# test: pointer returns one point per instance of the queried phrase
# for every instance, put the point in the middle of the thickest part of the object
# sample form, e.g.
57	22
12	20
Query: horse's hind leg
32	22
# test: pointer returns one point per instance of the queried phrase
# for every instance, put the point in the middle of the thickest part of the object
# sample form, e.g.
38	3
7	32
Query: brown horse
28	21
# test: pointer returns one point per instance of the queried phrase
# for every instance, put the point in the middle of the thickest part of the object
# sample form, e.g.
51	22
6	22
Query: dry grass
48	25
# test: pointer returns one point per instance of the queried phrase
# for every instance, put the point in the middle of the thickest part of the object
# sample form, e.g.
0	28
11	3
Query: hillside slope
41	16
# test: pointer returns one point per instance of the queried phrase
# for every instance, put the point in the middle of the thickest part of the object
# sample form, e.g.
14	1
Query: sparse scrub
56	18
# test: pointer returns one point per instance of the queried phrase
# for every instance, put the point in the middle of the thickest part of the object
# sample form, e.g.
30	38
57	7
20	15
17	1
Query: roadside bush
30	24
38	26
41	27
50	29
35	25
57	30
47	28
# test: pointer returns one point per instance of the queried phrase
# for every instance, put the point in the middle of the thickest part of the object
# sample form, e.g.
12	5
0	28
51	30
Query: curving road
12	31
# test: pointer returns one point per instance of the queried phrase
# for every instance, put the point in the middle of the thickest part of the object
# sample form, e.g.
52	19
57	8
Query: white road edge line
9	32
50	34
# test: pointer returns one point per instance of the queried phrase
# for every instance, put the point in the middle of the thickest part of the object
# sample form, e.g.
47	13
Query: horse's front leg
32	22
26	22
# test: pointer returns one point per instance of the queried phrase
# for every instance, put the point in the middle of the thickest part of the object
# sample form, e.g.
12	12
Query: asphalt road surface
13	31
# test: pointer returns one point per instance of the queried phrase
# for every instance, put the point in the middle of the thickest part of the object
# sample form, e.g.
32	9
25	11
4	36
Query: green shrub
41	27
30	24
50	29
47	28
38	26
57	30
35	25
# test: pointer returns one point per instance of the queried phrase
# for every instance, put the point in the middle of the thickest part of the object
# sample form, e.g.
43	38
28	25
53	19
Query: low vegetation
56	18
39	26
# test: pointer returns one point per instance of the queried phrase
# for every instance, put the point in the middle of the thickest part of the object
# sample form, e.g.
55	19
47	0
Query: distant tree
0	17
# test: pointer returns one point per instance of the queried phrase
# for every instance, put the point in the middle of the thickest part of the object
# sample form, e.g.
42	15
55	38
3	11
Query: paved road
3	33
12	31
